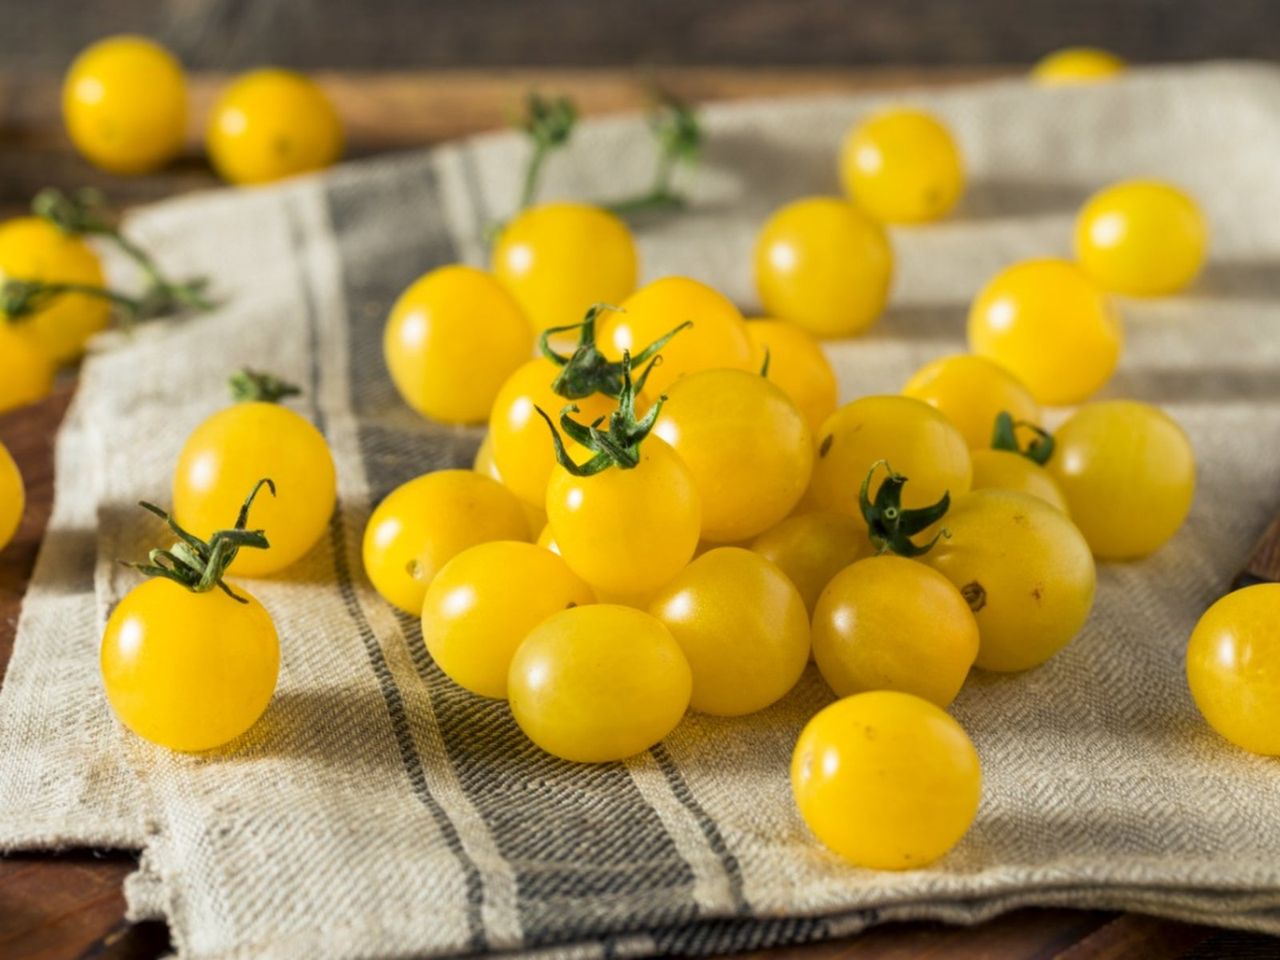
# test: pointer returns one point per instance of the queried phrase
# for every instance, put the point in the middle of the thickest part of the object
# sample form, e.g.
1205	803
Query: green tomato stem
254	386
889	525
1005	437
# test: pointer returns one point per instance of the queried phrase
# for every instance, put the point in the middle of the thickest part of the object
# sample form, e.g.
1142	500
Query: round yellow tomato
26	372
1051	326
1128	473
916	440
971	392
598	683
560	259
902	166
425	523
32	249
822	263
270	124
1141	237
483	603
797	365
453	338
812	547
1006	470
1074	65
1233	667
742	627
13	497
746	445
124	103
718	337
188	671
886	780
1025	571
889	623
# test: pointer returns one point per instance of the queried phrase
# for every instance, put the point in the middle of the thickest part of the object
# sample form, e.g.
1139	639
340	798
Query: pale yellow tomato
797	365
902	165
13	497
1073	65
26	371
971	392
1006	470
812	547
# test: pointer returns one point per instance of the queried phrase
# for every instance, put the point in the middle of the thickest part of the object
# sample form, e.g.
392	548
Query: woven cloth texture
378	810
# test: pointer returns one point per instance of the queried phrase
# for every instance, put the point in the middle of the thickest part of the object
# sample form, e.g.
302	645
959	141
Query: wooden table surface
58	906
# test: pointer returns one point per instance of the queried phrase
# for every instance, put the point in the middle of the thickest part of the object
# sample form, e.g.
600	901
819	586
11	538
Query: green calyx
548	123
200	565
617	446
891	527
254	386
679	137
587	371
1005	437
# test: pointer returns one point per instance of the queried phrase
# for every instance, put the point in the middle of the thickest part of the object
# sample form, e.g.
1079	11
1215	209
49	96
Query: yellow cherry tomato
747	446
812	547
536	515
1006	470
560	259
1074	65
453	338
1128	473
886	780
188	671
483	603
889	623
270	124
1233	667
227	453
971	392
742	626
1025	571
598	683
124	103
425	523
33	249
1142	237
797	365
26	372
13	497
902	166
916	440
1050	326
718	337
822	263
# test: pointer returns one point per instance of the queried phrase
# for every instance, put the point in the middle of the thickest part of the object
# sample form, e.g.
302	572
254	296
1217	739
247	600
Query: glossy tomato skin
822	263
560	259
124	103
598	683
747	446
902	165
188	671
1051	326
33	249
1128	473
742	626
232	450
811	547
971	392
1076	65
797	365
26	371
13	497
886	780
889	623
270	124
1006	470
425	523
1233	667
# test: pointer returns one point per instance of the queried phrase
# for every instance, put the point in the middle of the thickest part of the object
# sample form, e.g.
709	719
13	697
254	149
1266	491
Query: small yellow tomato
124	103
13	497
560	259
270	124
483	603
33	249
453	338
26	372
746	445
1144	238
1025	571
535	514
916	440
1006	470
902	166
886	780
822	263
812	547
1128	473
797	365
1074	65
1233	667
742	627
718	337
1050	326
425	523
971	392
889	623
188	671
598	683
